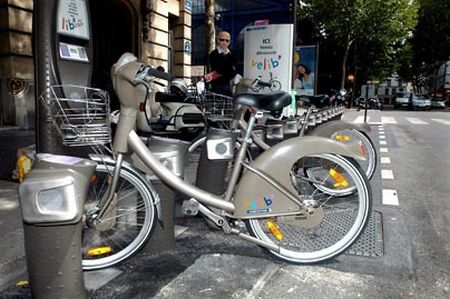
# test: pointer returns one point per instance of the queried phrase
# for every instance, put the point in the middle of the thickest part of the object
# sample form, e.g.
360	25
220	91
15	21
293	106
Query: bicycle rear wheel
329	224
126	226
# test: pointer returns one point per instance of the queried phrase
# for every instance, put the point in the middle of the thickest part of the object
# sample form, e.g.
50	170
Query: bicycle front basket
218	107
81	114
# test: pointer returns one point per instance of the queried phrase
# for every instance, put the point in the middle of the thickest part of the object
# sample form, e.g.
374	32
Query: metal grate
332	229
371	243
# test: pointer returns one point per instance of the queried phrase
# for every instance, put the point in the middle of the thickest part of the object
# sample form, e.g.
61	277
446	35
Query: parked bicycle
275	195
306	124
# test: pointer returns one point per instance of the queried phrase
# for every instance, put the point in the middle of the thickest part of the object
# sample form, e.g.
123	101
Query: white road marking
385	160
382	136
384	150
387	174
360	120
388	120
441	121
389	197
416	121
383	142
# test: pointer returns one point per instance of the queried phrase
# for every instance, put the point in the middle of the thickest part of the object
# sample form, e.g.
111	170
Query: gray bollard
51	199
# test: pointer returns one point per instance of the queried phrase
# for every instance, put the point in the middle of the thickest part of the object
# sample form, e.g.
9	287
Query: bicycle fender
128	166
329	128
255	197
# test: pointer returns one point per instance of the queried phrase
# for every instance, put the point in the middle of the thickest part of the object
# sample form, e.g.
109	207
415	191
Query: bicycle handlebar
159	74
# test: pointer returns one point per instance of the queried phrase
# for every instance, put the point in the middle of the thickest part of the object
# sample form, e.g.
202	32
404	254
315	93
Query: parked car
421	102
438	102
403	100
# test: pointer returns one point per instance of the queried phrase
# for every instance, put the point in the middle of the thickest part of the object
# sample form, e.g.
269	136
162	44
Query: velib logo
71	24
266	56
265	63
259	203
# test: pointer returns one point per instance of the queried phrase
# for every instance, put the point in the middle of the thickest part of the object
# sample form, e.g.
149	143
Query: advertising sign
73	18
268	53
305	64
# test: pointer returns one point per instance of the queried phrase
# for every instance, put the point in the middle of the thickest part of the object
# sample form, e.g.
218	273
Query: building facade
156	31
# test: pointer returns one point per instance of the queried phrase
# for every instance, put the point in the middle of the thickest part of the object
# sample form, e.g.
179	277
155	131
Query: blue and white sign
268	53
187	47
188	6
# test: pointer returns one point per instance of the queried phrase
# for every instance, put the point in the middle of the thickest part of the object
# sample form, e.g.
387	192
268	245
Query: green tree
431	40
376	27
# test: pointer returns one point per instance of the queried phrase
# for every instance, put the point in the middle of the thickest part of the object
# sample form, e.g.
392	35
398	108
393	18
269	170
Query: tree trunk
210	28
344	60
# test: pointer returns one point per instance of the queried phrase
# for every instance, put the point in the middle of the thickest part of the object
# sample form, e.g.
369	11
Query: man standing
222	62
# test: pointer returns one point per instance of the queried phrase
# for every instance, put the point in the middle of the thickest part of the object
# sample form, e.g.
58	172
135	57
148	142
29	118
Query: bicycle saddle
319	101
273	101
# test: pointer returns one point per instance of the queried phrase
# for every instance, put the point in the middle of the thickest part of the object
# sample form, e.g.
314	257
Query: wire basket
81	114
218	108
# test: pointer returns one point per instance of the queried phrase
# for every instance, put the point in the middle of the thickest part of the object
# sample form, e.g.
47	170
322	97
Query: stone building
156	31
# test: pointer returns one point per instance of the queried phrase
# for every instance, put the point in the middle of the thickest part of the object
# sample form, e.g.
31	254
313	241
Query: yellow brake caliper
339	179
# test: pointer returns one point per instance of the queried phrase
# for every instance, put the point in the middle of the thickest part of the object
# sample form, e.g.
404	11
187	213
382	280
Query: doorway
114	32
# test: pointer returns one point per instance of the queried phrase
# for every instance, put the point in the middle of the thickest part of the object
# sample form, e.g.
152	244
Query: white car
421	102
438	102
403	100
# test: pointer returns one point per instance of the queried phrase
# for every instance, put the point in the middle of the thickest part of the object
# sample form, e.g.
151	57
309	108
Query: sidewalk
12	257
206	263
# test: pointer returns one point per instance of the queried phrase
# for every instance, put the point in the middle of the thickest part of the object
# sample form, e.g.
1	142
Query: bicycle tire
275	85
123	234
332	223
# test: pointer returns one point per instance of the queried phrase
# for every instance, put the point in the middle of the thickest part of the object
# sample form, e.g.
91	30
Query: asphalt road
411	192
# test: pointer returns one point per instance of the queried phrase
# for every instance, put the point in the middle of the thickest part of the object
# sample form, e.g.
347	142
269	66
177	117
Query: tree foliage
431	40
375	28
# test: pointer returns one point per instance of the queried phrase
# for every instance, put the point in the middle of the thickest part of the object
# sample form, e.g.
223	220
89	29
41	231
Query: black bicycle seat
273	101
319	101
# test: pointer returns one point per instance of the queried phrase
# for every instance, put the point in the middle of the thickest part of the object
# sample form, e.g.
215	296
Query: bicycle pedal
189	207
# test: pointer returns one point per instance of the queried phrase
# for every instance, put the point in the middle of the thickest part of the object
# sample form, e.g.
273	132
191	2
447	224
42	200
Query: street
408	256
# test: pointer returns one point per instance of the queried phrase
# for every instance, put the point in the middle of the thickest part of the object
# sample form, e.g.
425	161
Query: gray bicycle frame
125	73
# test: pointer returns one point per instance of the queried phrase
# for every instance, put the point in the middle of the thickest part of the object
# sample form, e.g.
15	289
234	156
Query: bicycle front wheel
127	224
328	224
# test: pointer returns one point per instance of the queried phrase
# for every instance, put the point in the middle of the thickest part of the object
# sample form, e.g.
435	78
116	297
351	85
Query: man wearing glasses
222	64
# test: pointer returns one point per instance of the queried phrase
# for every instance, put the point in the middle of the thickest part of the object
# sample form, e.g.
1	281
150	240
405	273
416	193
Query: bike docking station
171	153
52	202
